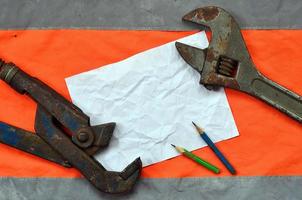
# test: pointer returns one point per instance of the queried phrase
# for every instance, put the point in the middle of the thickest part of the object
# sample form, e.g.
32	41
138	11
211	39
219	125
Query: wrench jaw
209	16
60	142
196	58
122	182
203	16
102	135
219	67
105	132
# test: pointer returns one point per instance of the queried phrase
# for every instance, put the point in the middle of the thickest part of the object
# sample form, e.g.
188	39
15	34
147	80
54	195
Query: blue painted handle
206	138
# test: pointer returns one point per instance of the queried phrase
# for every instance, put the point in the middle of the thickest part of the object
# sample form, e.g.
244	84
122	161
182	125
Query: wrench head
221	64
59	141
122	182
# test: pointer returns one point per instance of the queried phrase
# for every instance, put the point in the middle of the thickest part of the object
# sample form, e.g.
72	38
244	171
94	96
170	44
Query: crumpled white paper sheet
153	97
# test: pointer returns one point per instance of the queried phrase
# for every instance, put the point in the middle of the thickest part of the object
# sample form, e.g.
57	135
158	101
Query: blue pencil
218	153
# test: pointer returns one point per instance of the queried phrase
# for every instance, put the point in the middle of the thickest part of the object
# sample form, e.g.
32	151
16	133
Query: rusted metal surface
106	181
206	14
30	143
67	114
226	62
63	134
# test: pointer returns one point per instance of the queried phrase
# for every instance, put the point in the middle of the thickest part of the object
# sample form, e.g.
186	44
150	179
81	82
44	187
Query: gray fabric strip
227	188
142	14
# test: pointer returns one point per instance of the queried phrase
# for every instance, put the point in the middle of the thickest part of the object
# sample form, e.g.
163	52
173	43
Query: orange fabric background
270	143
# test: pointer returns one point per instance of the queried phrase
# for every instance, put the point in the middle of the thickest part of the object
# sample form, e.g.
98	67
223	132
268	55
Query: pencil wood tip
199	130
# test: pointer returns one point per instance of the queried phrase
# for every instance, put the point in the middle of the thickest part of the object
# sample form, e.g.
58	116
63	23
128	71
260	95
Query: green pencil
197	159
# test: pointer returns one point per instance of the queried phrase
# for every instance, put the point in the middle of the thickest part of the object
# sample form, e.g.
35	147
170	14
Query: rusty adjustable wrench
64	134
226	62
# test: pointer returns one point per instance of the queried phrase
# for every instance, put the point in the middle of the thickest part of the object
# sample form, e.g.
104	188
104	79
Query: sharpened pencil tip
199	130
173	145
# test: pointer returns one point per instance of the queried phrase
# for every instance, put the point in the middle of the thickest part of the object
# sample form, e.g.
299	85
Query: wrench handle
278	96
